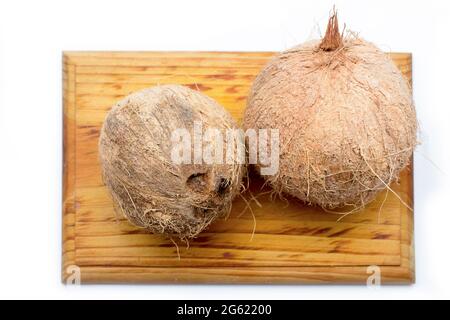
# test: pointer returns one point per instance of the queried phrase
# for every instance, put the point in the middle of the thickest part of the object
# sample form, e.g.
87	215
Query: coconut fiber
346	118
147	187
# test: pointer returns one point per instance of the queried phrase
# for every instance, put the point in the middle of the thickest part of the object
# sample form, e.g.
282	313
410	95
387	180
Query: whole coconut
345	116
146	185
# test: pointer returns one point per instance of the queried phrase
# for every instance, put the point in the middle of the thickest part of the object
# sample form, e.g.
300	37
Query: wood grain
292	243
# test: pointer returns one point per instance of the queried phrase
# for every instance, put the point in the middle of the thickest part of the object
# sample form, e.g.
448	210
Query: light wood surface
292	243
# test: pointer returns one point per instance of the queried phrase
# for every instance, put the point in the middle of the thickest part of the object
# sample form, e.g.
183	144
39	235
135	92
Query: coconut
345	115
148	185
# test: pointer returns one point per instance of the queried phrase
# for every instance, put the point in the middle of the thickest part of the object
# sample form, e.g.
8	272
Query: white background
32	36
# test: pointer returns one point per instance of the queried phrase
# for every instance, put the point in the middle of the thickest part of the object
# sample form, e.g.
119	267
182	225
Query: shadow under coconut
258	211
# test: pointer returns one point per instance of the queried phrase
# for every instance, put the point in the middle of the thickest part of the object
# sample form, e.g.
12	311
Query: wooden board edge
407	264
412	257
250	275
68	176
408	254
85	58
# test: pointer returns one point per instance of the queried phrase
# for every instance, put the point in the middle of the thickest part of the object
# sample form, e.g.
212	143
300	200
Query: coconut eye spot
197	182
223	186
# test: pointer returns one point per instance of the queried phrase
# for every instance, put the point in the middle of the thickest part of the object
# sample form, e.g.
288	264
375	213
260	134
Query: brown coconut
346	118
146	185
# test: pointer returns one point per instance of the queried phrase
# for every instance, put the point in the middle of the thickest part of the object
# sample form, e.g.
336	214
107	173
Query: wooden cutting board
292	243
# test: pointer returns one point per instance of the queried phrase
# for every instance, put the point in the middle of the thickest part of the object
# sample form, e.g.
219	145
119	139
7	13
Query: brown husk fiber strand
346	118
332	39
178	200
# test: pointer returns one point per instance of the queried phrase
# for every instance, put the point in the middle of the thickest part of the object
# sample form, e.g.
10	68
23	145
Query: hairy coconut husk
346	118
146	185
